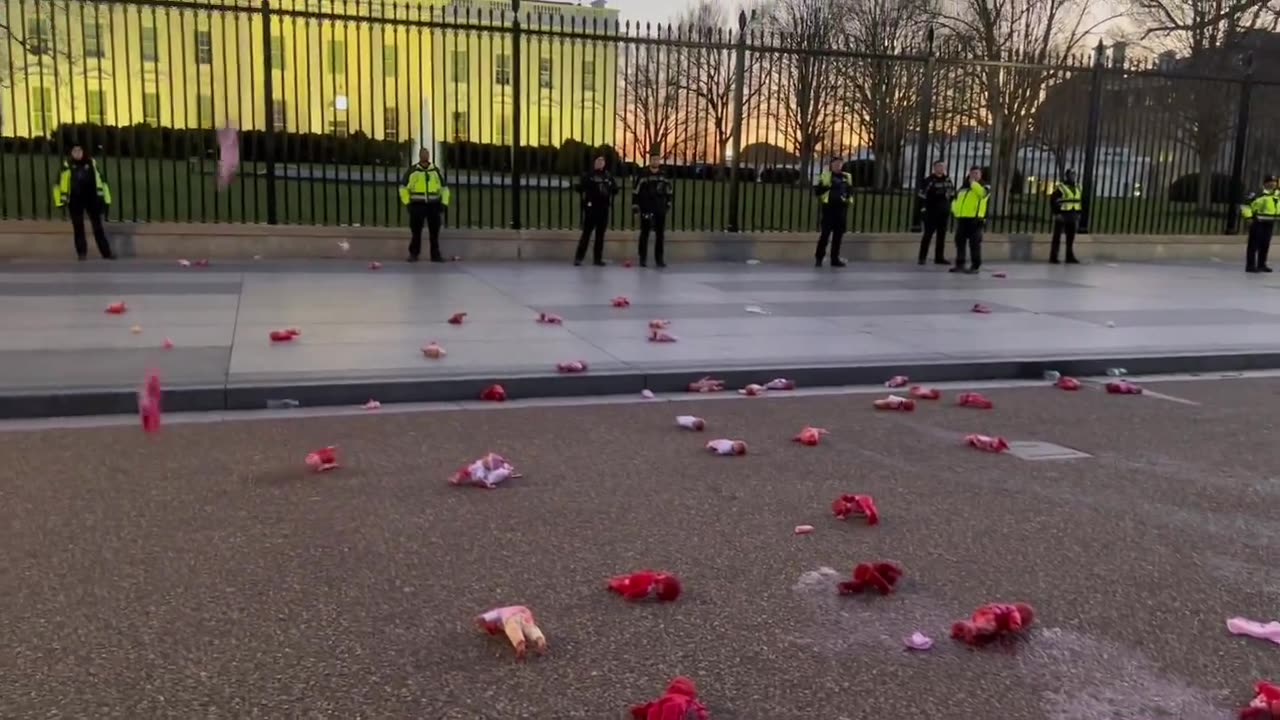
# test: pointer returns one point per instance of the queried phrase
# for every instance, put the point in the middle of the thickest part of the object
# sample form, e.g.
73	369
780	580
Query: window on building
337	57
277	52
97	102
544	72
461	126
149	52
389	61
502	128
588	75
204	47
338	125
93	47
204	111
279	115
544	130
151	108
41	110
391	123
39	37
458	69
502	70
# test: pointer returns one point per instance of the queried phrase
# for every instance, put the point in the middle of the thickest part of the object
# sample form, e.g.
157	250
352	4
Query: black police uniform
597	188
935	193
652	199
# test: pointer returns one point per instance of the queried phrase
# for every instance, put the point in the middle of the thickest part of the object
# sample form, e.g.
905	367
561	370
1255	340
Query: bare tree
880	95
707	76
1040	36
806	77
1211	36
651	114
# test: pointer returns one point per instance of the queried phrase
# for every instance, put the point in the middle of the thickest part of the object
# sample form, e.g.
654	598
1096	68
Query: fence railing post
517	117
734	223
1241	147
1092	131
268	104
926	120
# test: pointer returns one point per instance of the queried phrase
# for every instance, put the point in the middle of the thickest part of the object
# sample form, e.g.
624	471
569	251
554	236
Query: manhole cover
1036	450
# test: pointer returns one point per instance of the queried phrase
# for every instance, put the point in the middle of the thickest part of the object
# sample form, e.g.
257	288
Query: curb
255	396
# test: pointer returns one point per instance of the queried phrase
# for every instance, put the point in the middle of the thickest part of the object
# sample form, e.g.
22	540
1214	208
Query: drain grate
1037	450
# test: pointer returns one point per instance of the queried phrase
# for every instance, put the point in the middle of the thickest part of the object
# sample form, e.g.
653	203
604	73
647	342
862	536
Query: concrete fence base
20	239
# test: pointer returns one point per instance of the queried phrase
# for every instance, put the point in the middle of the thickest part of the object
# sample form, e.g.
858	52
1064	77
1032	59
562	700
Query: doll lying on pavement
516	622
487	472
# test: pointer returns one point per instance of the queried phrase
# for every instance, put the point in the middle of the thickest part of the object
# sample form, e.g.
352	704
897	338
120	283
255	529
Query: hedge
1187	188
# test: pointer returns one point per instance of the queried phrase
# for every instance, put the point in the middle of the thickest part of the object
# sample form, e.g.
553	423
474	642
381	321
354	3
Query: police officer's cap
1269	178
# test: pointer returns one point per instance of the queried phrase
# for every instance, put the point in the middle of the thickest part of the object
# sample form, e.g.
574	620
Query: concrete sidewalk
362	330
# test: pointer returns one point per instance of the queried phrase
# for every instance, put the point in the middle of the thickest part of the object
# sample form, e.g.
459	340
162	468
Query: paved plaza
202	572
361	325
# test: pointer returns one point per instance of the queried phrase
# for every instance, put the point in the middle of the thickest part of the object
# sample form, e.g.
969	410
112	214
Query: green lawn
167	190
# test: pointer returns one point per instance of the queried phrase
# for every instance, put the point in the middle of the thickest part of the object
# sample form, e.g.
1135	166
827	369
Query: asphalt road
202	573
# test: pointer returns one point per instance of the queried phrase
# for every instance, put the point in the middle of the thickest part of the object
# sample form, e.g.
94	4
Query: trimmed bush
1187	188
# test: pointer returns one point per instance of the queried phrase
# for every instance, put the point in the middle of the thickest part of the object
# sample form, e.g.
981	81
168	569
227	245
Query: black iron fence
516	98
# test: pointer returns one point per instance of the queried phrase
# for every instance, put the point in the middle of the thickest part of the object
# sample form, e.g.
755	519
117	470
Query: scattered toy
549	319
752	261
494	393
659	336
897	381
862	505
659	324
183	262
167	344
755	310
752	390
679	702
689	422
487	472
283	404
1123	387
999	275
809	435
344	246
457	318
1252	628
620	301
285	335
326	458
987	443
645	584
974	400
1111	323
626	263
136	329
117	308
925	393
149	403
993	621
918	641
433	351
1265	704
803	529
1052	375
1067	383
647	394
895	402
517	623
727	447
375	265
780	384
573	366
1116	372
202	263
707	384
372	405
981	309
880	576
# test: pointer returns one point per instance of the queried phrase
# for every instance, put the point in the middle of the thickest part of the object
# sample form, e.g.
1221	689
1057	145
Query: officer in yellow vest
970	211
1065	203
424	192
1261	209
83	191
835	192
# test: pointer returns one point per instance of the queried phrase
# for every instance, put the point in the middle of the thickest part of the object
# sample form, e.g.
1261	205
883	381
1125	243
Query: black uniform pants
834	223
93	208
429	213
594	222
935	227
1259	244
969	241
657	224
1064	224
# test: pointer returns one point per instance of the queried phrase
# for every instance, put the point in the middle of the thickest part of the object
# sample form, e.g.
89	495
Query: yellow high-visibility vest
62	191
971	201
1263	207
824	180
424	184
1070	200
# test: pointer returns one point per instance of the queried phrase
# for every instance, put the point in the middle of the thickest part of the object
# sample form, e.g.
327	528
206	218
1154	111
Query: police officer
970	210
835	191
1262	209
597	188
425	193
83	191
1065	203
934	194
652	199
